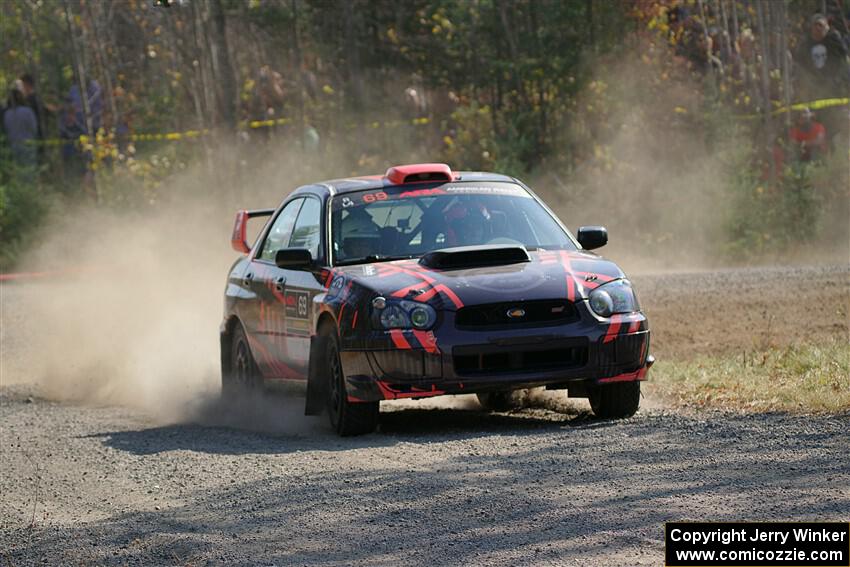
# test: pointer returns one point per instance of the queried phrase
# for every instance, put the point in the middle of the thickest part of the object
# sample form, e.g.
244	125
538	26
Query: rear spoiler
240	228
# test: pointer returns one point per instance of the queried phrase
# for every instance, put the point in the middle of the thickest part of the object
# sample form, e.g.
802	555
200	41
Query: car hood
549	275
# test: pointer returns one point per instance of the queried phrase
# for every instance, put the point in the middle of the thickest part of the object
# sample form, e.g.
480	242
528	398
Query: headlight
394	317
404	315
614	297
422	317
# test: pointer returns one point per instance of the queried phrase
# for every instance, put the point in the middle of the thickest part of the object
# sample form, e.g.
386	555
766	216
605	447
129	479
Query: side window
306	233
281	231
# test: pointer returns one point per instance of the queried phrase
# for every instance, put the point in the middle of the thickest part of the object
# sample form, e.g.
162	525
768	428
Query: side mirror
591	237
293	259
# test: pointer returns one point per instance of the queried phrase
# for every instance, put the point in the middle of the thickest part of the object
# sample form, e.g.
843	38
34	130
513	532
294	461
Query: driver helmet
467	224
360	235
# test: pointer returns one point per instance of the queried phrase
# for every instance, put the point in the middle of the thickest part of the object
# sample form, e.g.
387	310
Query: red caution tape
46	274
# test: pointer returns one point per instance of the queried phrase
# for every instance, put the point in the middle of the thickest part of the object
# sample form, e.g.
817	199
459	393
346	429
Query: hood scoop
474	257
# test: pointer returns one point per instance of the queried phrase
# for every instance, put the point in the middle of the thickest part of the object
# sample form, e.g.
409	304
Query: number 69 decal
372	197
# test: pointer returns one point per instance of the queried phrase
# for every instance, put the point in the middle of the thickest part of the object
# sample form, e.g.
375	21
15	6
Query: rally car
424	282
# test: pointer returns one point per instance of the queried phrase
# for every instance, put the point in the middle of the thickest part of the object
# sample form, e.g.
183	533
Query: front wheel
615	401
347	418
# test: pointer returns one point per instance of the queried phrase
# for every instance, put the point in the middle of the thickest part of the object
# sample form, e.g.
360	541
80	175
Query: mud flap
317	387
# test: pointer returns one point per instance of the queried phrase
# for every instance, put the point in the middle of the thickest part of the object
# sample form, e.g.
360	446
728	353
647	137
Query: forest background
665	120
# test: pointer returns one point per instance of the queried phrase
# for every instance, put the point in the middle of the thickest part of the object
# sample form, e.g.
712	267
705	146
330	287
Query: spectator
744	71
695	45
21	128
312	140
771	156
34	101
264	100
69	132
78	159
808	137
415	101
825	71
720	54
270	89
124	125
676	15
94	96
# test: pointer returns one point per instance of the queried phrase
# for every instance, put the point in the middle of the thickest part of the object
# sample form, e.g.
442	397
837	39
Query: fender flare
317	389
317	384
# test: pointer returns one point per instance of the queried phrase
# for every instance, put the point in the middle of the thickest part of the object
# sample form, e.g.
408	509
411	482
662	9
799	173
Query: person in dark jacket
824	73
34	101
21	129
823	62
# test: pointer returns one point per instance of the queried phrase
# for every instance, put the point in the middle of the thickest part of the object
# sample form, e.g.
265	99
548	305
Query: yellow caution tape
266	123
812	105
421	121
192	134
815	104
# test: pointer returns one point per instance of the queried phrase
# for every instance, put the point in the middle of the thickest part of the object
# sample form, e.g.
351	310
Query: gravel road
108	484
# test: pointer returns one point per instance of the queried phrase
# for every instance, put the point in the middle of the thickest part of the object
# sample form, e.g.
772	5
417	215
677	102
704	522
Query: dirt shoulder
730	311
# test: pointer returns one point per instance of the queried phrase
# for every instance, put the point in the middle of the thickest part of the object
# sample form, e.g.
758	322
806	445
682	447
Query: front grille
539	312
493	360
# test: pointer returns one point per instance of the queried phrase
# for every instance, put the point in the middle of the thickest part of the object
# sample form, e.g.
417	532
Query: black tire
242	379
502	401
615	401
347	418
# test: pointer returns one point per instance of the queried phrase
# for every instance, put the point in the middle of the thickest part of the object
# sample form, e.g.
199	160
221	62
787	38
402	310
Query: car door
267	324
302	286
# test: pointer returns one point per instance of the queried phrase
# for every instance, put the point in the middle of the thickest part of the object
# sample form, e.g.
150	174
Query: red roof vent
419	172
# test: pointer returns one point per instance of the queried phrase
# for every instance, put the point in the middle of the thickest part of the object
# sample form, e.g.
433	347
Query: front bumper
414	364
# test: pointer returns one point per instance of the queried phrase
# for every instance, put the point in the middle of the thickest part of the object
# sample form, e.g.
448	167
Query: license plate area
521	358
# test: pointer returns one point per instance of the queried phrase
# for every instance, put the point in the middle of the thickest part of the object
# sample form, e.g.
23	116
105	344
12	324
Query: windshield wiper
374	258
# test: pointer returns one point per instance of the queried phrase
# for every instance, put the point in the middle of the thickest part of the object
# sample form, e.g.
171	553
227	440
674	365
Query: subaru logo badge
516	313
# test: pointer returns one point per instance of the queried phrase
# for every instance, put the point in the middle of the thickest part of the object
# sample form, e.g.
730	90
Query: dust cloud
666	175
131	316
645	172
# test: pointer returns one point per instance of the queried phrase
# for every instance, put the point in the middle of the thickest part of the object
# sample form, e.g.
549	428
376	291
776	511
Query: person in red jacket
808	136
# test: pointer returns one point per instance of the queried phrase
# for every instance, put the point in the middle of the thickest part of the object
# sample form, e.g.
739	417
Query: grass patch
799	378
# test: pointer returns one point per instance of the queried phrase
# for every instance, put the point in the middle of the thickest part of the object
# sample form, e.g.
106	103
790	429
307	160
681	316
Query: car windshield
400	222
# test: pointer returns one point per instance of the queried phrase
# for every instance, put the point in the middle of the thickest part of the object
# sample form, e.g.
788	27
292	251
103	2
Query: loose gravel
82	484
104	486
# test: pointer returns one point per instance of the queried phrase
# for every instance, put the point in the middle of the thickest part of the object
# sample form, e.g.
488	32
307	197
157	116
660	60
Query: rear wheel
615	401
502	401
242	378
347	418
